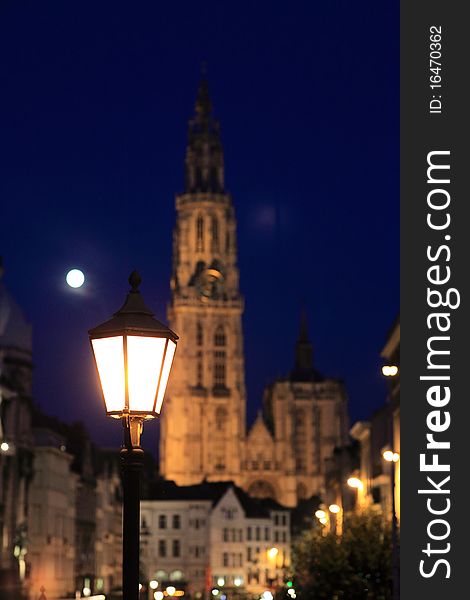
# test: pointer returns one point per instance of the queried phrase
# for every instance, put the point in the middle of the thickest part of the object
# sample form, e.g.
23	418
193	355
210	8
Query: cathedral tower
203	424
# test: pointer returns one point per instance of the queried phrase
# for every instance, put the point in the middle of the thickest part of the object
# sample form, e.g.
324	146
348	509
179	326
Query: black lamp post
133	353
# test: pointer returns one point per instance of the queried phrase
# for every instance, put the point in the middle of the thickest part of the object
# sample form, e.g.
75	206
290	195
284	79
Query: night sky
94	103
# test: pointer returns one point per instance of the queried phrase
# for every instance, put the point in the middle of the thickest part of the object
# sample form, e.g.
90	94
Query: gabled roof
214	491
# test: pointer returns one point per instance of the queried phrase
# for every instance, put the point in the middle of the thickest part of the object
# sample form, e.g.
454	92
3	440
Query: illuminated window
199	234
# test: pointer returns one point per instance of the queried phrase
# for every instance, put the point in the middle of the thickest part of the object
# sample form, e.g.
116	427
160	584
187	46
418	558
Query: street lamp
133	353
355	482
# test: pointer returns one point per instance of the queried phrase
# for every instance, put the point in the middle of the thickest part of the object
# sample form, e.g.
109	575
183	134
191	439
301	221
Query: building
16	443
52	518
213	536
380	433
203	433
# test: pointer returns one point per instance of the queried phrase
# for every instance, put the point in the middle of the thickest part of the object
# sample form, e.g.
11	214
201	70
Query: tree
357	565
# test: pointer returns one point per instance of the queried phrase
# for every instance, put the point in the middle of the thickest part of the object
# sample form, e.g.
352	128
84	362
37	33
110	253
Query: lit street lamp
133	353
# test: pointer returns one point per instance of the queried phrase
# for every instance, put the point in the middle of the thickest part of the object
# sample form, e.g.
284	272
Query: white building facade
213	536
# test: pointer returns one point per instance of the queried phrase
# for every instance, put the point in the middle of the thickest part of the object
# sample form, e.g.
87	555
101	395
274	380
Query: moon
75	278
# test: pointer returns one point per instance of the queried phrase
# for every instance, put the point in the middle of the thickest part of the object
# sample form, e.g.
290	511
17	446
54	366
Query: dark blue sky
94	106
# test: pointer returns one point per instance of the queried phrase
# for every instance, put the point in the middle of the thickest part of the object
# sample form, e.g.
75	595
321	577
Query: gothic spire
204	153
303	366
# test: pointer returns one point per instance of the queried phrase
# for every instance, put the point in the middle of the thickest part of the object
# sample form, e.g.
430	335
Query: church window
199	234
215	233
219	337
199	370
220	418
219	369
199	335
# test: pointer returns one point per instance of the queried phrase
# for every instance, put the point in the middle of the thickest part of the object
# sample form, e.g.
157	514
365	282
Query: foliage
357	565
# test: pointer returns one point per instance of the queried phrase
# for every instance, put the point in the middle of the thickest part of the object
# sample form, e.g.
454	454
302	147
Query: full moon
75	278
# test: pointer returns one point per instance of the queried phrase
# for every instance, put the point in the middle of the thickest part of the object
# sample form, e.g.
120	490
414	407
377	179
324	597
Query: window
225	535
220	419
176	548
199	234
199	370
199	335
248	533
215	233
266	533
162	522
162	548
176	522
219	369
276	536
284	536
284	520
276	519
258	534
225	559
219	336
249	554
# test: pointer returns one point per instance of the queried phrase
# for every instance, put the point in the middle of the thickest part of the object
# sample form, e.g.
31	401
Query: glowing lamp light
355	482
220	581
323	520
334	508
133	353
170	590
267	595
390	456
320	514
86	591
272	553
158	595
4	446
238	581
153	584
215	592
389	370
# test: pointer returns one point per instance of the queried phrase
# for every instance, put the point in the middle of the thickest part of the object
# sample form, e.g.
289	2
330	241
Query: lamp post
133	354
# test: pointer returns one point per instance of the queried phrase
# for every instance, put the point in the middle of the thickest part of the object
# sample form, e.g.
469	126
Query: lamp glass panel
109	356
165	374
144	362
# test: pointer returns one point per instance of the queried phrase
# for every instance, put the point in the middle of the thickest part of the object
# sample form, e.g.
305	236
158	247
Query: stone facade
203	433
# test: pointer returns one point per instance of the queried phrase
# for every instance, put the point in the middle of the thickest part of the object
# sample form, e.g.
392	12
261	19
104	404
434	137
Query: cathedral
203	430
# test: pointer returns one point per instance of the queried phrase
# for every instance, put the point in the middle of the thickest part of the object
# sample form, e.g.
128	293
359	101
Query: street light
389	370
334	508
133	354
355	482
320	514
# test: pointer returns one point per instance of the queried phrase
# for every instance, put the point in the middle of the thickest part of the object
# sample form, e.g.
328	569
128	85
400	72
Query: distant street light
355	482
389	370
133	353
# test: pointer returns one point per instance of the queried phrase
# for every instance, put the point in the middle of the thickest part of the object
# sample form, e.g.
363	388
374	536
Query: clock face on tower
210	284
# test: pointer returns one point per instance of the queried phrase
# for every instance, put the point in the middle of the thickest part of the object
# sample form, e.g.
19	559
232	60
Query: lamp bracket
133	427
